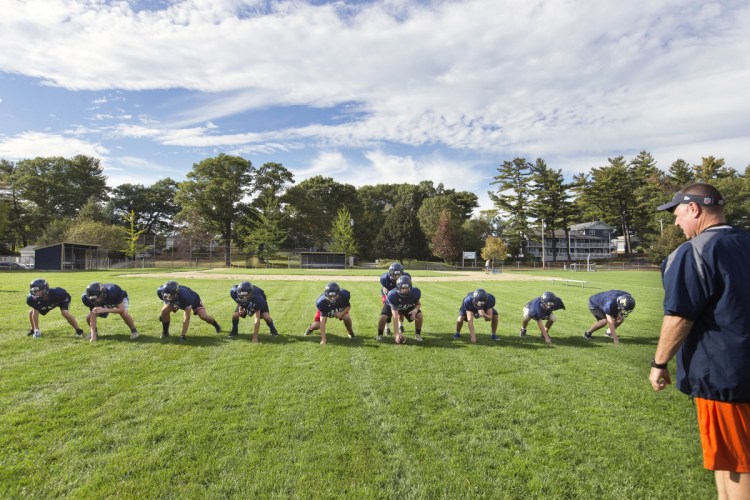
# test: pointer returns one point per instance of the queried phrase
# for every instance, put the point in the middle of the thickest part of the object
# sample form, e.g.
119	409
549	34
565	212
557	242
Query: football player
42	299
103	299
176	297
610	308
541	309
250	300
404	301
477	304
334	303
388	283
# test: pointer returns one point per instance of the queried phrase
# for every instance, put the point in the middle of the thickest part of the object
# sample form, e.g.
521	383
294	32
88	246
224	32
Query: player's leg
601	320
418	319
459	325
203	314
72	321
266	315
493	325
164	317
347	319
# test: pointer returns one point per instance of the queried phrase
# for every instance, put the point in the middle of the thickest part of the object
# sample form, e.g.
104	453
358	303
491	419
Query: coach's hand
659	378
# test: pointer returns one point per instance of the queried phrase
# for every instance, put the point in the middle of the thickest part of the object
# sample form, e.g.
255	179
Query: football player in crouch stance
42	299
405	304
477	304
103	299
388	283
541	309
250	300
176	297
609	308
334	303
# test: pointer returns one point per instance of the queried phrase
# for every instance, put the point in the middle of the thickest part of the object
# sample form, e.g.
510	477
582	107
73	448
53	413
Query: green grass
360	419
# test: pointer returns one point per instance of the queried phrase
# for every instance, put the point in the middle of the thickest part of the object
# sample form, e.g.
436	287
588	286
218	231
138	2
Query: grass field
289	418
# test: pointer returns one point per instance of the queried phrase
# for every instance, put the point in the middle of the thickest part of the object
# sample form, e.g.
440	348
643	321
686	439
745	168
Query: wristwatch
660	366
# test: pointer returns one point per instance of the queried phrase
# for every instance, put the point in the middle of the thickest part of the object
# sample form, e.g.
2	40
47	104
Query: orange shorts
725	434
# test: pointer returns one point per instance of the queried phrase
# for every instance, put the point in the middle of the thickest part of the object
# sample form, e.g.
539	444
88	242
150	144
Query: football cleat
30	333
134	335
182	338
387	330
37	334
522	333
494	337
350	334
164	335
379	338
232	334
418	337
275	332
456	335
401	329
587	335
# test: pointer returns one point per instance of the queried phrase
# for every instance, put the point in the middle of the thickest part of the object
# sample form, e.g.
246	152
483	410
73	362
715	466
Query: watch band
660	366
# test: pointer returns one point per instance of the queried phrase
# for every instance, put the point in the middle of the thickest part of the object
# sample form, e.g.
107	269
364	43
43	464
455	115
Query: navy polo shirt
707	280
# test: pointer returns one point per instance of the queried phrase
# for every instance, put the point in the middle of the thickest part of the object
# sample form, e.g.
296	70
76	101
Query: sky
370	92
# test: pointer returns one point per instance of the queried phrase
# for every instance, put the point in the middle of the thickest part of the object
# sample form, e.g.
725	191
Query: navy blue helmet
244	290
479	297
170	290
625	304
95	291
395	270
39	287
332	291
403	285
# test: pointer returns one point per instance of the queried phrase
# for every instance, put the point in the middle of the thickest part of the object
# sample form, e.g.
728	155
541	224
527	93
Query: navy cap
680	198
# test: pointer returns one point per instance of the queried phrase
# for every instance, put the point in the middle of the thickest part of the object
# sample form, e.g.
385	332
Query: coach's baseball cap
679	198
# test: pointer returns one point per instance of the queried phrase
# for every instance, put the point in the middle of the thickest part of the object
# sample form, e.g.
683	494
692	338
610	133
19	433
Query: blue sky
374	91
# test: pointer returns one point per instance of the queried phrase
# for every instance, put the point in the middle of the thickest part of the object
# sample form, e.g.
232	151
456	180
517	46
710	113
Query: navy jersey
185	298
56	297
707	280
255	302
607	302
329	309
538	311
468	304
113	297
404	303
389	283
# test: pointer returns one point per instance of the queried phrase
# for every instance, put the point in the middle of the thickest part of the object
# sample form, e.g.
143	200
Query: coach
707	323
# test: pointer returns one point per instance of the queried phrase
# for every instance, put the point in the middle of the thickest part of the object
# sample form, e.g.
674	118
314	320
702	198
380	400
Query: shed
63	256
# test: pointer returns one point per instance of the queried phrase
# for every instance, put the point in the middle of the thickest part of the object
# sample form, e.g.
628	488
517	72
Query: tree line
263	210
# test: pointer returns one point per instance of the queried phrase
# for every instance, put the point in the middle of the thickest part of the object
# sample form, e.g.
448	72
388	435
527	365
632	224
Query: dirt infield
250	276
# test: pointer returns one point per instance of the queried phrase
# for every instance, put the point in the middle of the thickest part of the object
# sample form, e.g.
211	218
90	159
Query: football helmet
170	290
479	297
395	270
548	299
39	288
332	292
625	304
403	285
244	290
95	291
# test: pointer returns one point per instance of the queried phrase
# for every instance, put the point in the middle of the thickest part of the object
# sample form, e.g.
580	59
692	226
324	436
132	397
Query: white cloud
33	144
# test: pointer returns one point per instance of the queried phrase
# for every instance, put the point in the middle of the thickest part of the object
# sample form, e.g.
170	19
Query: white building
590	240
